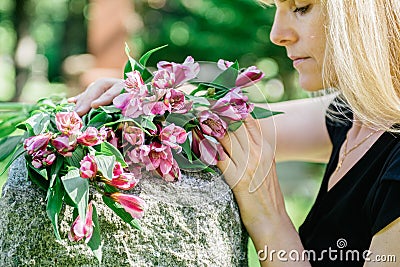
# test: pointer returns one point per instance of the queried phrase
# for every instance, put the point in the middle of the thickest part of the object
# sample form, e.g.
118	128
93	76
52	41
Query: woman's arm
249	169
300	132
385	247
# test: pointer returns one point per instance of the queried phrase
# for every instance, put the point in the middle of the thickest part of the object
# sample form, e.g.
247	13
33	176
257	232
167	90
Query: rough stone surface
194	222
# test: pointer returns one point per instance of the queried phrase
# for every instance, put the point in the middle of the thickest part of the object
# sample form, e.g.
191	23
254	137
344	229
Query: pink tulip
175	100
206	150
182	72
133	155
132	204
68	123
43	158
118	170
163	79
172	136
36	143
64	144
173	175
130	104
88	167
233	106
111	137
157	155
134	81
154	108
125	181
133	135
224	64
91	137
211	124
249	76
82	228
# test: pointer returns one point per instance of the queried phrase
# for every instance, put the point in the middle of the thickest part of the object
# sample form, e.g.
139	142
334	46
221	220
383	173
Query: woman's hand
249	169
100	93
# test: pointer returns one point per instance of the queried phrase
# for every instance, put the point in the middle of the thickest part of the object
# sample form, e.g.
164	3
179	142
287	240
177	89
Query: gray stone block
193	222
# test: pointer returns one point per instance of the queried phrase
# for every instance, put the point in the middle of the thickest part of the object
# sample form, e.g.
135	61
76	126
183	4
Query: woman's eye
302	10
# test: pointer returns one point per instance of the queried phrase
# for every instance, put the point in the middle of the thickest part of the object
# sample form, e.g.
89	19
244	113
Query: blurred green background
61	46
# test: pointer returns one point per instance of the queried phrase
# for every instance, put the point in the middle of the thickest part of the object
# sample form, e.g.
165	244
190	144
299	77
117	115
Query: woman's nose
282	32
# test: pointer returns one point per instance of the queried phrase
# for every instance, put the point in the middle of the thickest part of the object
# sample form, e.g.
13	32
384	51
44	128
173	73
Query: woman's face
299	27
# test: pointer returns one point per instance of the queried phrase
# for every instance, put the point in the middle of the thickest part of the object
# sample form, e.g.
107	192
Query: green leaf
9	126
235	125
95	241
260	113
228	77
105	165
184	163
8	144
77	189
198	100
55	195
19	150
110	109
100	119
77	156
4	175
134	65
36	124
186	148
145	57
147	122
108	149
120	211
180	119
37	177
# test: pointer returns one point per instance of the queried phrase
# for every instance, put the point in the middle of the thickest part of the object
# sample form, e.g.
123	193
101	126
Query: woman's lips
298	61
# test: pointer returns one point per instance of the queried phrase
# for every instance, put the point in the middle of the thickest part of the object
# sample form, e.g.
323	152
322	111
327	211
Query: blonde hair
363	58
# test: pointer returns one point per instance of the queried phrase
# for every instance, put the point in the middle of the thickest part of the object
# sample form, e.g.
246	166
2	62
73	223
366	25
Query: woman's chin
309	84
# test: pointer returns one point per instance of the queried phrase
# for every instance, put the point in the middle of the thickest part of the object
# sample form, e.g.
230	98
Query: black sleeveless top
339	227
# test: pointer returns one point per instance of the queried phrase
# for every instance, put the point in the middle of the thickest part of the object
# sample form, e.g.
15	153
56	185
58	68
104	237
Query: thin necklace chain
347	152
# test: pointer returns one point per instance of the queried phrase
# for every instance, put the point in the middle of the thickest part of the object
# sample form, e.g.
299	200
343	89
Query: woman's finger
94	91
107	97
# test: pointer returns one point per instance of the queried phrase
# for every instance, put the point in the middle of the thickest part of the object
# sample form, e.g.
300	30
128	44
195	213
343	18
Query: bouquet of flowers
152	126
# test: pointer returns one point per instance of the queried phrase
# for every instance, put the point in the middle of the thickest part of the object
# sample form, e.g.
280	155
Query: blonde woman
354	47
